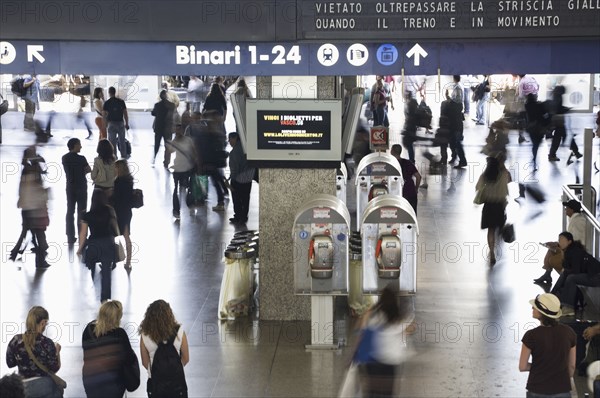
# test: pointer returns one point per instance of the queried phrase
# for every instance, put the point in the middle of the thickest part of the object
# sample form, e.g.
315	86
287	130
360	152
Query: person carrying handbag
492	190
99	247
37	357
110	365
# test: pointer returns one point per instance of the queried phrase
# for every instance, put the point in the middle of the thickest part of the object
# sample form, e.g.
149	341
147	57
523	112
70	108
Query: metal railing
592	233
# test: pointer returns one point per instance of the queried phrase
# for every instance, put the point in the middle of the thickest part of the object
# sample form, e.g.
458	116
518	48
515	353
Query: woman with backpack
107	355
164	350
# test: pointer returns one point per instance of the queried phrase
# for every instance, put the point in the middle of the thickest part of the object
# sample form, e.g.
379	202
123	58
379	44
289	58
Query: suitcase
197	192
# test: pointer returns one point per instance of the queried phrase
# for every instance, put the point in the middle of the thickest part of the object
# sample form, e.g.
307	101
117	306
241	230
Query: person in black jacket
106	353
122	199
163	125
241	180
76	167
409	132
215	101
558	112
210	141
536	125
579	268
100	246
455	117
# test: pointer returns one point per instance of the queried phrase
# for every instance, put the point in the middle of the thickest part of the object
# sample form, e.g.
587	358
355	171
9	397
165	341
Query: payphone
320	236
377	174
389	244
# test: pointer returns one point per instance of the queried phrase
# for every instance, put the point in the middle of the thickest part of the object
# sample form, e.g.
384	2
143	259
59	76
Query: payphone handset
320	256
388	254
378	188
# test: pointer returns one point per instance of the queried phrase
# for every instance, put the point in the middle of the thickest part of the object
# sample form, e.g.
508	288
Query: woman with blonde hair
107	353
160	329
31	349
122	199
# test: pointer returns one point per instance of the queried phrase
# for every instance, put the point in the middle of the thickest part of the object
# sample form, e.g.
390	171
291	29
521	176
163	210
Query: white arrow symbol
418	52
34	51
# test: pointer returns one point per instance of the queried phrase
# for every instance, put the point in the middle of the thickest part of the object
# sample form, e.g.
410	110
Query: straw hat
547	304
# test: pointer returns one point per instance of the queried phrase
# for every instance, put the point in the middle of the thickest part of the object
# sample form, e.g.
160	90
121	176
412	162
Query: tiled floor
470	317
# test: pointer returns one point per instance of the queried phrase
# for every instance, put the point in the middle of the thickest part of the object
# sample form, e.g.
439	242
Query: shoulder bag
479	198
366	346
508	233
119	250
131	373
137	198
59	382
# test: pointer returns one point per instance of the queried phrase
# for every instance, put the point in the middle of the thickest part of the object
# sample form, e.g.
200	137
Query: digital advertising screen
295	133
294	130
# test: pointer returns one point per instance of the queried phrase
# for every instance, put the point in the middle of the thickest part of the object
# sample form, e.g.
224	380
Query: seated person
592	335
554	256
579	268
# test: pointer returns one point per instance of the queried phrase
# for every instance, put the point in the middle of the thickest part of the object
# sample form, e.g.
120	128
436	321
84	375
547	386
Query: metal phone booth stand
320	237
377	174
389	245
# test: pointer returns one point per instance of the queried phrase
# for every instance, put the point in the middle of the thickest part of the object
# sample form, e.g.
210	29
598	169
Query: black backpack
168	378
423	115
18	88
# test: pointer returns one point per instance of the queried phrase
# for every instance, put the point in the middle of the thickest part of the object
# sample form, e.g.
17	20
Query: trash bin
357	302
249	240
236	286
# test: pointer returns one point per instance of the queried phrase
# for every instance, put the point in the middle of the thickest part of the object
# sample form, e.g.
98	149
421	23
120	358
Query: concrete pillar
282	192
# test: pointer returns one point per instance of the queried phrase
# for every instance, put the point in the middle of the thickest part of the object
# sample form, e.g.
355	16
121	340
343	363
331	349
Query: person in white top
390	324
197	91
185	161
554	256
159	325
577	222
527	85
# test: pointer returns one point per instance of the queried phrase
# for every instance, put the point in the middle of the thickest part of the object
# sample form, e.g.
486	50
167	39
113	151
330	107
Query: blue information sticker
303	234
341	237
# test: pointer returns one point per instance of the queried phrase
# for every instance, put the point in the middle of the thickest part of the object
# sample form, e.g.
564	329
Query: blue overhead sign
29	57
299	59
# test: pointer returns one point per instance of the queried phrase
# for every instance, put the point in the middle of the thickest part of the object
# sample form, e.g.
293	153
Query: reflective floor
470	316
